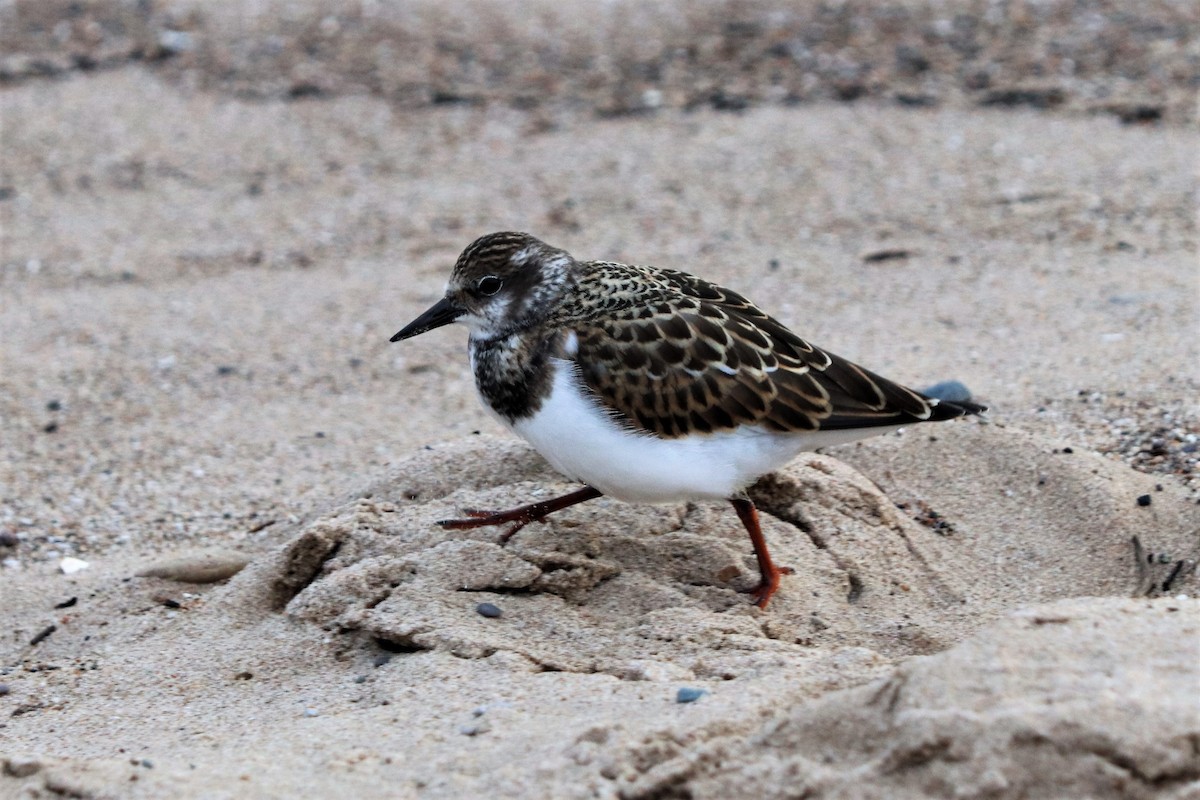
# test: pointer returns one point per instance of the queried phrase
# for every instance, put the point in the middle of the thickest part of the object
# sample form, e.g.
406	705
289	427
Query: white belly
579	439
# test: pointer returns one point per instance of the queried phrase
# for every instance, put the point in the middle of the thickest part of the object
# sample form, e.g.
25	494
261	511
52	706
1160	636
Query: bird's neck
514	374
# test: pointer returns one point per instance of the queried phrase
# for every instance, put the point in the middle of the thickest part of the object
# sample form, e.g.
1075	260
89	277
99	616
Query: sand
197	285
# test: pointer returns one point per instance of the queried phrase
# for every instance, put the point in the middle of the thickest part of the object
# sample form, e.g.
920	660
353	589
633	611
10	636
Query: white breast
574	433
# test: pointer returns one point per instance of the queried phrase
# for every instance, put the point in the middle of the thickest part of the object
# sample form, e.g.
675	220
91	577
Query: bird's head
502	283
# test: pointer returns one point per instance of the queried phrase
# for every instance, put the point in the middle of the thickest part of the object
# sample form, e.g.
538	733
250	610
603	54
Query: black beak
443	313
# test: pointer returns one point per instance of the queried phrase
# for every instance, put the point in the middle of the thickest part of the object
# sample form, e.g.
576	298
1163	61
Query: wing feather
673	354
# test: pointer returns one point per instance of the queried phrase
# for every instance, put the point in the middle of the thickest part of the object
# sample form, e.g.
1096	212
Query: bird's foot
534	512
480	518
767	586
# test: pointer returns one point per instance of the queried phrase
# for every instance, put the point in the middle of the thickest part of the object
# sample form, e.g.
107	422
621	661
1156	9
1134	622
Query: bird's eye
488	285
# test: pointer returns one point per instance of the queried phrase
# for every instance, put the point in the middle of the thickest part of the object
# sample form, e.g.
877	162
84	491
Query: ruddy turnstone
652	385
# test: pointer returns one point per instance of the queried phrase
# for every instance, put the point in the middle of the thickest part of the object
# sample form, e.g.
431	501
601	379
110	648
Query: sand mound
606	584
607	610
1088	698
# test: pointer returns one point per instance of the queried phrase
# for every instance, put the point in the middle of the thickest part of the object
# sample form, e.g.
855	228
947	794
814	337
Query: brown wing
686	355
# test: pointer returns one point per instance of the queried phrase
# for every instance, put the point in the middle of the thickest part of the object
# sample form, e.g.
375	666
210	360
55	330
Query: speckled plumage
651	384
676	355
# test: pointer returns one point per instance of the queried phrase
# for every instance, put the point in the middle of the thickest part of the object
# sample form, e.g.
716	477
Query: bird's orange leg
769	573
534	512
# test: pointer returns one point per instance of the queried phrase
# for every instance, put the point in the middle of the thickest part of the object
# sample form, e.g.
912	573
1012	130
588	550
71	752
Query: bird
652	385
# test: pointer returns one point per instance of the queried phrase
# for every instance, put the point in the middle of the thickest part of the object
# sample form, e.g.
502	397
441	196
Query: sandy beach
213	218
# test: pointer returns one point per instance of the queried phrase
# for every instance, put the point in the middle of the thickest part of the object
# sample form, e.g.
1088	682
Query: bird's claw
765	589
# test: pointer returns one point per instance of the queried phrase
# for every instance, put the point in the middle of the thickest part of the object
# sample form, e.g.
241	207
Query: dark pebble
950	391
43	635
727	101
886	254
8	539
381	659
1137	113
225	370
54	405
1068	450
1143	500
4	689
1036	97
687	694
916	100
360	679
50	427
67	603
488	610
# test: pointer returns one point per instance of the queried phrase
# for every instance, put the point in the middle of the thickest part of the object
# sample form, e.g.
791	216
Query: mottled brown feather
673	354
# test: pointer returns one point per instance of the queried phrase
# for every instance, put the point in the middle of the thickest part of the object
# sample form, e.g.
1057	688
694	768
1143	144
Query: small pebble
886	254
22	766
1143	500
475	728
176	41
381	659
311	712
70	565
4	689
42	635
488	610
8	539
687	694
950	391
360	679
201	567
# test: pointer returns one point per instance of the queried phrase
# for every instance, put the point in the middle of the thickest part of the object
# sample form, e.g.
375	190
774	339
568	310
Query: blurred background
1137	61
